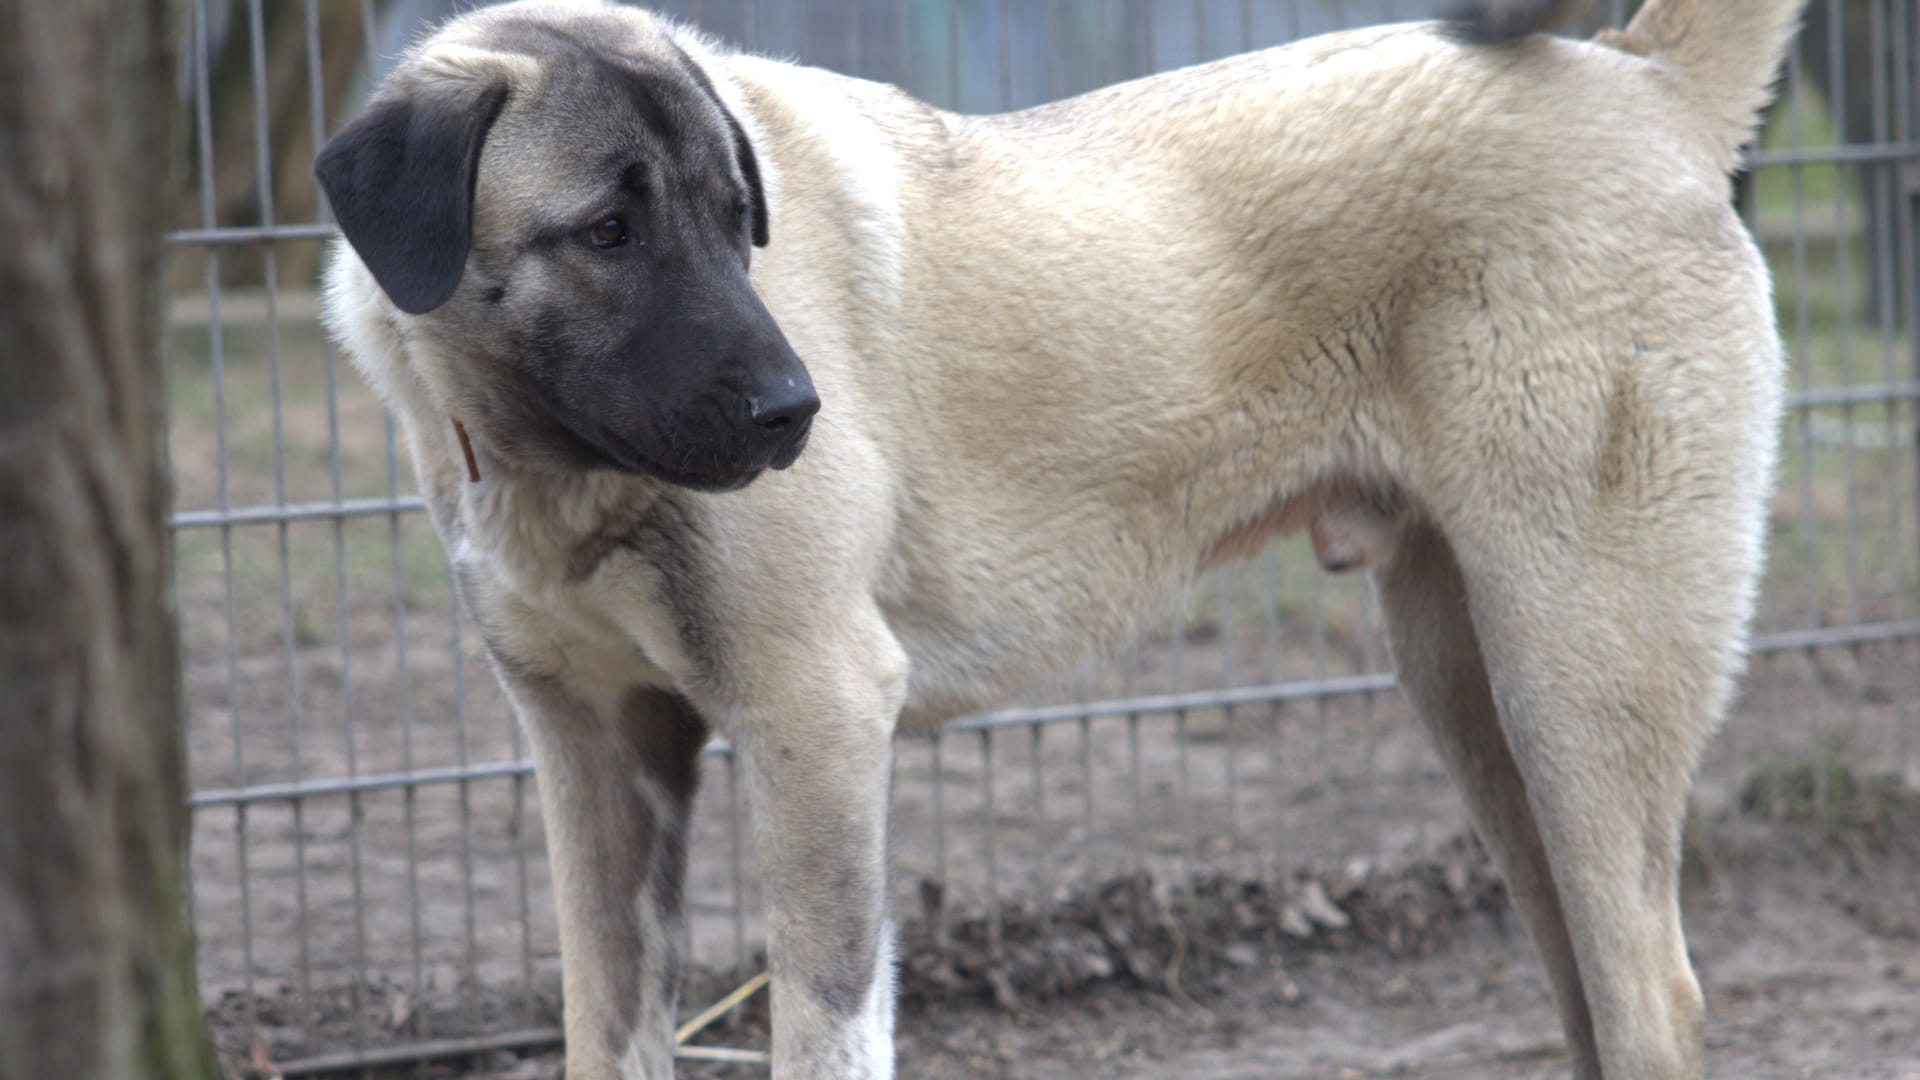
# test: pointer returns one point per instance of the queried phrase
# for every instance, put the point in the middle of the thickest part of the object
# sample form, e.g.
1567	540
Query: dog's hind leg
616	787
1438	660
1608	661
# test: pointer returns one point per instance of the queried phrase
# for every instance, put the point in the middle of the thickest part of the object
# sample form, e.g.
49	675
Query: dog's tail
1729	51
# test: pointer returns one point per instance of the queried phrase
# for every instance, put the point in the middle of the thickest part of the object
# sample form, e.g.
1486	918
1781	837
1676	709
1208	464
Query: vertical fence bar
850	39
1770	599
523	892
1056	60
1276	757
1843	281
1881	190
355	810
409	794
904	49
1369	715
735	871
403	692
953	54
1906	57
263	184
1802	330
1322	707
317	117
216	358
1230	732
470	936
939	845
1042	846
1103	65
1182	776
1003	62
1803	348
1136	832
1086	798
993	862
1144	29
400	646
1905	37
1767	664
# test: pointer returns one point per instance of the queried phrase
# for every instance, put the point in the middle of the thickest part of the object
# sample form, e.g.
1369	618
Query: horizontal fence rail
1152	705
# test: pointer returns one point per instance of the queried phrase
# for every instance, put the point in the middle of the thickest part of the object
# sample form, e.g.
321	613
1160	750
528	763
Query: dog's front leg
818	777
616	782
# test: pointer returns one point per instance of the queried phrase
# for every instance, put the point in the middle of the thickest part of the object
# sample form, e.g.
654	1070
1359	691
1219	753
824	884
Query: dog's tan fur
1481	317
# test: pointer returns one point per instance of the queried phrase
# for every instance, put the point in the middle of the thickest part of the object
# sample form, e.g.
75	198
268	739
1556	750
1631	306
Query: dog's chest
535	574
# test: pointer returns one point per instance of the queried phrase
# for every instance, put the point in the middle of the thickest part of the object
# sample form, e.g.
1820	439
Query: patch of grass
1843	531
1826	791
326	414
1842	534
1801	123
388	567
328	424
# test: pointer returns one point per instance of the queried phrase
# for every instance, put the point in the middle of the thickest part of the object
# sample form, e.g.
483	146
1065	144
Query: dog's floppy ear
742	149
400	180
750	170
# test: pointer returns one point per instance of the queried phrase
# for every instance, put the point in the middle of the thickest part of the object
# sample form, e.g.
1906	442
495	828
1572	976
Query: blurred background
1125	866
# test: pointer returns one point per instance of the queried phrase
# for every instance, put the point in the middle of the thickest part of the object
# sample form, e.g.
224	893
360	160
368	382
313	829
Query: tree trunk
96	955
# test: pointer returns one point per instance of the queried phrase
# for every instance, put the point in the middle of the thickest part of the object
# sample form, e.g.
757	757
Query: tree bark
96	954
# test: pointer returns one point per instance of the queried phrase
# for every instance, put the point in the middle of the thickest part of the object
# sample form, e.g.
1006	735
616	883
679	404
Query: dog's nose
783	412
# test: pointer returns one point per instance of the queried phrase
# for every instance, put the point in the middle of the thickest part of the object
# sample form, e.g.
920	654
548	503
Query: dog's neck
528	520
533	529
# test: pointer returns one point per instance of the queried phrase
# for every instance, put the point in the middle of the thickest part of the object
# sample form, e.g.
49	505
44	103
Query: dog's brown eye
611	232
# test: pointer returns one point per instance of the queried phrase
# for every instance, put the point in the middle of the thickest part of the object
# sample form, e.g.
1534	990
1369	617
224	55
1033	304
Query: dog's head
564	208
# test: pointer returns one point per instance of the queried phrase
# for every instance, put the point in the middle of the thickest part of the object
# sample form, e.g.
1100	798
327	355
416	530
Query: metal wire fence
369	883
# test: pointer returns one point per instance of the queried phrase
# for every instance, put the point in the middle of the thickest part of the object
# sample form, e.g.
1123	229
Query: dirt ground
1808	959
1803	902
1806	937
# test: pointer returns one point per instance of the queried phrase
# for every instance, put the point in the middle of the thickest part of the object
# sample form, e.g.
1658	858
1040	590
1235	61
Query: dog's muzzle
783	419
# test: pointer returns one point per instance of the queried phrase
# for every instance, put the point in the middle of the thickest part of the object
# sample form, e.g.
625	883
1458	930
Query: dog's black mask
595	272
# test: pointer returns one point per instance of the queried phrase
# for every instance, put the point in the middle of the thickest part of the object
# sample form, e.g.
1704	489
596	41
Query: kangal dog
755	399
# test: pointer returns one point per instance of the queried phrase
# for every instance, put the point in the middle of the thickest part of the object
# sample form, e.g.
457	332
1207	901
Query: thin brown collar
466	447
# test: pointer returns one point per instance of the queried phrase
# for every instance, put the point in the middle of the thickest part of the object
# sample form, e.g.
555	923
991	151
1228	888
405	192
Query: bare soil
1809	964
1806	935
1176	939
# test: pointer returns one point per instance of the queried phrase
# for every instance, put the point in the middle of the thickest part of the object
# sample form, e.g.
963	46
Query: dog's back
1729	51
1253	281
